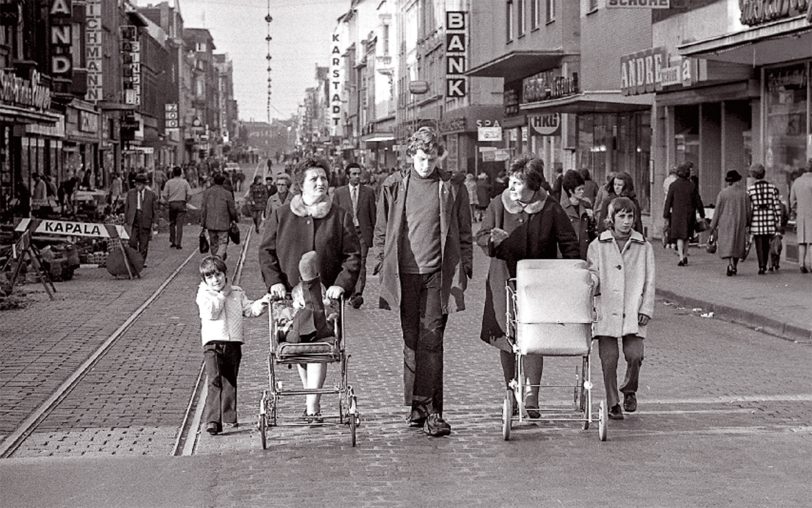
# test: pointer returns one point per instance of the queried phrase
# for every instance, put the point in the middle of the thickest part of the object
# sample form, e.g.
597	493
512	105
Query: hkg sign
455	48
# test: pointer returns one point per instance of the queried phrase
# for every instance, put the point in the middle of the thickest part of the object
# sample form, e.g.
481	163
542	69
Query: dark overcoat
290	234
538	231
681	206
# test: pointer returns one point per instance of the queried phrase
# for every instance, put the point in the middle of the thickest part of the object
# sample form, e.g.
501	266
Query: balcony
384	65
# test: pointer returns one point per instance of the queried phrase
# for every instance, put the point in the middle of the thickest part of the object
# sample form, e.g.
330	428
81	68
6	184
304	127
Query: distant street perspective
438	253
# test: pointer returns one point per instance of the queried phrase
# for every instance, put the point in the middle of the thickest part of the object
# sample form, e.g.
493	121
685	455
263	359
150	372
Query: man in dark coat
140	211
424	248
359	200
217	214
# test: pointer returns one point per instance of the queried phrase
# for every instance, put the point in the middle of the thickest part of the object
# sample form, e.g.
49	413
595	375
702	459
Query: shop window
786	127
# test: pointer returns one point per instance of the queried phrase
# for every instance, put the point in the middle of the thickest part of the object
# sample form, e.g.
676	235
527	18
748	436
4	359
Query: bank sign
455	54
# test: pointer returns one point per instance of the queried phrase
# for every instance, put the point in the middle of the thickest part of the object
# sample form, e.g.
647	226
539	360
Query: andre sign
455	48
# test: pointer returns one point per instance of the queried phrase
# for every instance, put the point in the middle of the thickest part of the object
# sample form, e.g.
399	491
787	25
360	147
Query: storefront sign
546	124
548	85
131	68
418	87
56	130
93	50
66	228
638	4
171	116
455	50
334	84
641	72
15	90
88	122
488	130
61	39
511	101
453	125
758	12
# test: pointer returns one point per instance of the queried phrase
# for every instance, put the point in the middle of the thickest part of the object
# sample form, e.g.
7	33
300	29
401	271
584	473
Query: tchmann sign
758	12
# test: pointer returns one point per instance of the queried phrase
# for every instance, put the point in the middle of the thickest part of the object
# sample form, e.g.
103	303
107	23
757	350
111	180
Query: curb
759	322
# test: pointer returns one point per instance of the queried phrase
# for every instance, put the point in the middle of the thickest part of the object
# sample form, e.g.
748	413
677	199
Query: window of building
535	14
385	40
522	22
592	5
200	46
550	11
786	133
509	20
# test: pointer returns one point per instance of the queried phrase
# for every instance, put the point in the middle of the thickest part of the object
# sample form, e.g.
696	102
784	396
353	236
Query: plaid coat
765	208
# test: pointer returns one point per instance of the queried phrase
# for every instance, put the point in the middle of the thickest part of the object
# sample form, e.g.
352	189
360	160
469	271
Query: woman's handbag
701	225
711	246
234	233
204	242
747	247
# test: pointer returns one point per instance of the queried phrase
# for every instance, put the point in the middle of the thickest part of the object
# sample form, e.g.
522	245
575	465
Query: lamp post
268	38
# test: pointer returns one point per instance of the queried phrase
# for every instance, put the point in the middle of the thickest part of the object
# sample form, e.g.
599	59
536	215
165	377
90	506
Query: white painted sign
334	84
71	228
545	124
489	133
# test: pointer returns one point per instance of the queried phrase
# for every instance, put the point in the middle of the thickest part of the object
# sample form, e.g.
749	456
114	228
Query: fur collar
533	207
317	210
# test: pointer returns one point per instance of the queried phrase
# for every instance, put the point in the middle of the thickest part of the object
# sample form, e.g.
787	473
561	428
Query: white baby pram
550	313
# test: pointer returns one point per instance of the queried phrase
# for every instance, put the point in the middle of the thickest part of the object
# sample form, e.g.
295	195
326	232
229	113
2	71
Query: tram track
17	438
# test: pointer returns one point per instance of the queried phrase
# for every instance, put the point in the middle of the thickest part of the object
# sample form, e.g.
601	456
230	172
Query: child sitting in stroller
308	317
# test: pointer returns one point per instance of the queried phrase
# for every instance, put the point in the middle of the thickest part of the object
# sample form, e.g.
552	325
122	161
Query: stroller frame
582	389
325	351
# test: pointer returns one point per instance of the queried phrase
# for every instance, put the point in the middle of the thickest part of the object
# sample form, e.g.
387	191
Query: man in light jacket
217	214
176	192
424	251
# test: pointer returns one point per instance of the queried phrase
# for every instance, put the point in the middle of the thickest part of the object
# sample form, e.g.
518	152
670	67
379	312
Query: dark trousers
762	246
222	361
140	236
177	214
257	216
362	276
423	324
633	351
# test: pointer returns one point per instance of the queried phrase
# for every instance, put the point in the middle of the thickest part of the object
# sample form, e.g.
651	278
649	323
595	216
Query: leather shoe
357	301
615	413
436	426
416	419
630	403
213	428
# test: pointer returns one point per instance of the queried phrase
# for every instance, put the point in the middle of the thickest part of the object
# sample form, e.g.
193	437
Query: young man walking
424	247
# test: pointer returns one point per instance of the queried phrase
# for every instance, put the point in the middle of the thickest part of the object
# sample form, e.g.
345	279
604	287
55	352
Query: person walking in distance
258	198
800	203
140	211
359	200
176	193
217	214
424	249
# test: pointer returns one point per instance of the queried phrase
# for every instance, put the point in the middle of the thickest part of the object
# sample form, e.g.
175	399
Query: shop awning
608	101
378	137
519	64
13	114
774	42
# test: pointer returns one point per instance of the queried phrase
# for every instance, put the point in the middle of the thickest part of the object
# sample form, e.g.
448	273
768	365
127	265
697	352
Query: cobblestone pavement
723	420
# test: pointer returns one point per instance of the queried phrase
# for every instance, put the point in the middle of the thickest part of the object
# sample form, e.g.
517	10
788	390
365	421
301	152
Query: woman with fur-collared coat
311	223
524	222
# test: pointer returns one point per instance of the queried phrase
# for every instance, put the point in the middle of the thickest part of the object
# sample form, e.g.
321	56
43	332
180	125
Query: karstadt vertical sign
334	83
93	50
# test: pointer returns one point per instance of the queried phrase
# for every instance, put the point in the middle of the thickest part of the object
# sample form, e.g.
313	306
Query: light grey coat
730	219
624	284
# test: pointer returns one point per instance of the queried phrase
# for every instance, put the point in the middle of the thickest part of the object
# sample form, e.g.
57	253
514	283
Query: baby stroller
328	350
550	313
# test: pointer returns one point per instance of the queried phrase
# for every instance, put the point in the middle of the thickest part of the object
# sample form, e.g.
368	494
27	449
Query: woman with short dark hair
620	186
731	216
679	211
524	222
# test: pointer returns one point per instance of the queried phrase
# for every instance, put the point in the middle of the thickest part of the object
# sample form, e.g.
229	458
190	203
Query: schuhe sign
638	4
758	12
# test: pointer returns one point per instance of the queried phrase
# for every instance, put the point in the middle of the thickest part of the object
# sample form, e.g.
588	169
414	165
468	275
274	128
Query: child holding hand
222	308
622	265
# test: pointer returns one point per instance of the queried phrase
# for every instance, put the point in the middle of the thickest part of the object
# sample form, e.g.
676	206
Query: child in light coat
222	308
622	266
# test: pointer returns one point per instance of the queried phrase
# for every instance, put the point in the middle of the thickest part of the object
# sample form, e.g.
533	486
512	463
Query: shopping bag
234	233
204	242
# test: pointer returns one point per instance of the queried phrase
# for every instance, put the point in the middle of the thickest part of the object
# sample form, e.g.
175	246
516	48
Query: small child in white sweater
222	308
